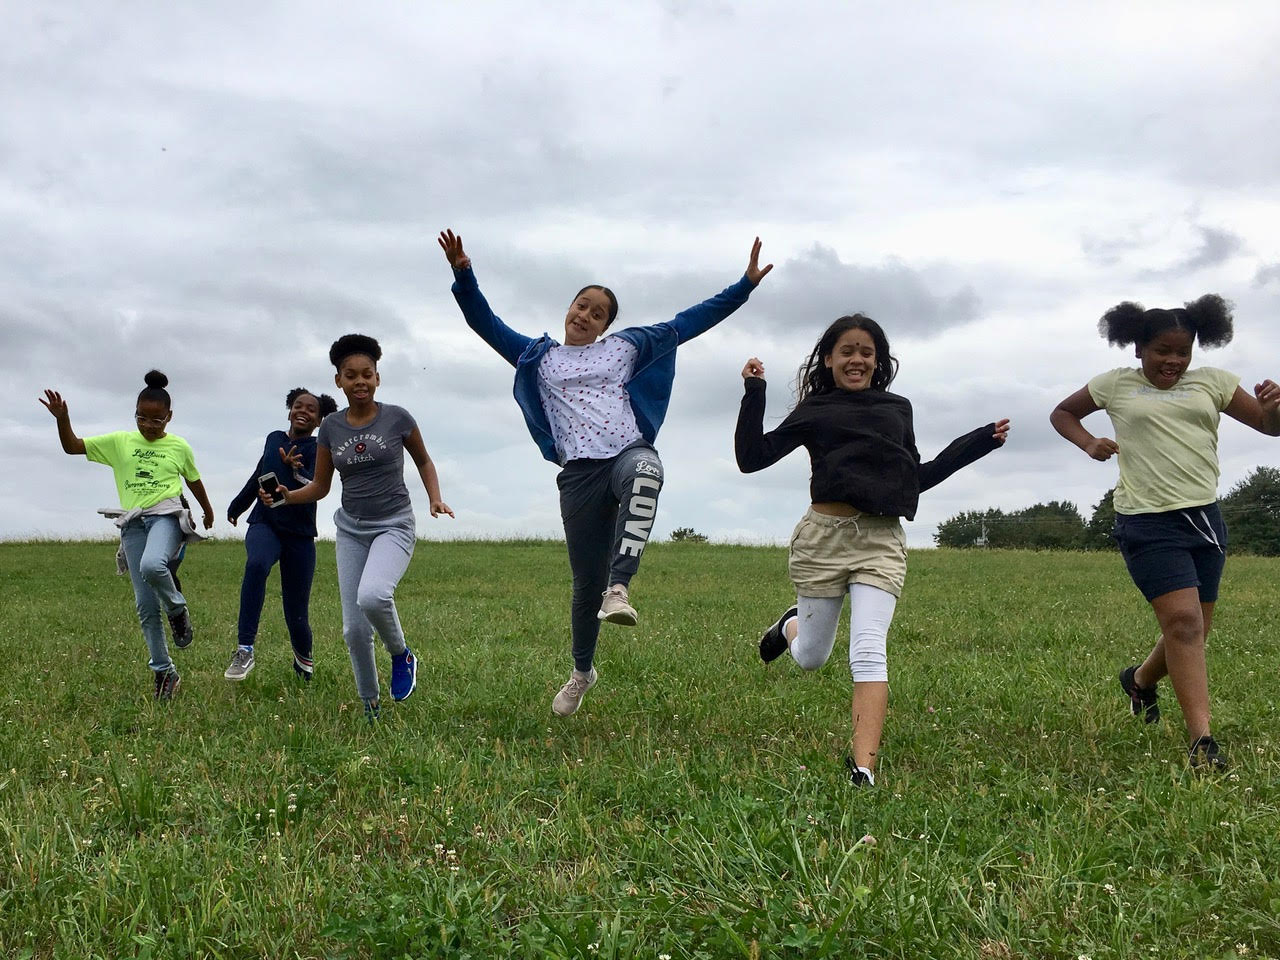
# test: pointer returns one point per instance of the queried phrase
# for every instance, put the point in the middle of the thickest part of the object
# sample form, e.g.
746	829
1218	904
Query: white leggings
870	613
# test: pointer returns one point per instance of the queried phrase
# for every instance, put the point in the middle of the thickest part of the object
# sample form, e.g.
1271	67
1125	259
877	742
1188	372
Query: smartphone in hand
271	487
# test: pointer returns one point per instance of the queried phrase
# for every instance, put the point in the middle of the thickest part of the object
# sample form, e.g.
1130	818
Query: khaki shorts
830	553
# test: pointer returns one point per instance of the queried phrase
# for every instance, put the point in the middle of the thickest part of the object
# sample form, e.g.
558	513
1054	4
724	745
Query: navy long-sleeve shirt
862	447
297	520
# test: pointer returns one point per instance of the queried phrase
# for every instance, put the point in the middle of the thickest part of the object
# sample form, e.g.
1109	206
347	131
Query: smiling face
358	378
852	361
152	416
1165	357
304	415
587	318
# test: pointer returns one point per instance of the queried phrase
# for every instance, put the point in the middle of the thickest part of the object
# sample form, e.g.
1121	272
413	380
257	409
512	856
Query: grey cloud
1267	273
1216	247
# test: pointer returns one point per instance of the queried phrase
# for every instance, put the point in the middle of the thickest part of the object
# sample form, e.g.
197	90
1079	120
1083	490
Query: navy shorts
1174	550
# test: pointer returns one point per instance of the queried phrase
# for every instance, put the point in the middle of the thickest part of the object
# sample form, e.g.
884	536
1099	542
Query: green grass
695	807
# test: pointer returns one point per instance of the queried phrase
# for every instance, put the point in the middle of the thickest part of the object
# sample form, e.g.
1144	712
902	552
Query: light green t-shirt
1168	439
146	472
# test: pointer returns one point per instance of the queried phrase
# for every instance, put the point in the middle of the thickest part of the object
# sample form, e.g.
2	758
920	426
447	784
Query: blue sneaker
404	675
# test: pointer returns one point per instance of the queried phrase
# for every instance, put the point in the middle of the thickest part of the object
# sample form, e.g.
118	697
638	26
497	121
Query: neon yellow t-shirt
146	472
1168	439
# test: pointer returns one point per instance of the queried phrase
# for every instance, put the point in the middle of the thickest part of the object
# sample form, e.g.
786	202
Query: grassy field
695	807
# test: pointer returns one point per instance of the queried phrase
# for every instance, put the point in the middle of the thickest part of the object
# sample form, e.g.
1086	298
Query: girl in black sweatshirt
866	475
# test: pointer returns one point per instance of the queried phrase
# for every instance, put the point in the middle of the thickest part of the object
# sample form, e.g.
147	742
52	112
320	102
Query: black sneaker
857	776
773	643
372	710
180	624
166	682
1206	757
303	667
1143	701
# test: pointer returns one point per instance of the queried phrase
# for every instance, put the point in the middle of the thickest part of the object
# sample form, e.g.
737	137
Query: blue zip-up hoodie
649	389
298	520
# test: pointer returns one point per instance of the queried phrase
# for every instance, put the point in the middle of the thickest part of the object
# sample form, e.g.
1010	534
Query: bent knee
807	659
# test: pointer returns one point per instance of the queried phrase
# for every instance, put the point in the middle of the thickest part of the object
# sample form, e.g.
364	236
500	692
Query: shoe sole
621	617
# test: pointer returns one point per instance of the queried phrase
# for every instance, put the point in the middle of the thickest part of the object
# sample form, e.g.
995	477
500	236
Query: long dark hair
1208	320
815	376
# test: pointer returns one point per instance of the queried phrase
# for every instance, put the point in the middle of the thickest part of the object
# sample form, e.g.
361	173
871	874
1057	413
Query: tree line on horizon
1251	510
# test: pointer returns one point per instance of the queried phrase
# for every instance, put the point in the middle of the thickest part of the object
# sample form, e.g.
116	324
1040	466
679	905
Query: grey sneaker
241	664
570	696
167	682
616	609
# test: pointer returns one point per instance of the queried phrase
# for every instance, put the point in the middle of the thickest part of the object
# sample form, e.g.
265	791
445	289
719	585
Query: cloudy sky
220	190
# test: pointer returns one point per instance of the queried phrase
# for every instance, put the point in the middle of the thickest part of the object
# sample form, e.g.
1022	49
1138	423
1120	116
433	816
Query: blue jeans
150	544
297	558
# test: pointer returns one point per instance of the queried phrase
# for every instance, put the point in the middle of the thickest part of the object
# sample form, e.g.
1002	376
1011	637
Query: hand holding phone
270	486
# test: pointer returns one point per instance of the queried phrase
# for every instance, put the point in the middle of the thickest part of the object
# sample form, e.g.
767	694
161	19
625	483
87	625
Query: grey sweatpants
372	557
608	508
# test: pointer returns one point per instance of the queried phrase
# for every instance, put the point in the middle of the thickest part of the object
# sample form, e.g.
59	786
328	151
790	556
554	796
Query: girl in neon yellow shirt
149	466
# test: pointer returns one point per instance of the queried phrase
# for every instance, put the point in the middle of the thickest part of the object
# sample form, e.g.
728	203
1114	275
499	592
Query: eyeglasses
151	421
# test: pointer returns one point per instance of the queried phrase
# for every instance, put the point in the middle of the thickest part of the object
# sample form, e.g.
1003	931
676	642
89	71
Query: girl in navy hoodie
594	405
286	534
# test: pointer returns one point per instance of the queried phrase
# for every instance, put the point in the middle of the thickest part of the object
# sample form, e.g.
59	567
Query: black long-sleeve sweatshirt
861	445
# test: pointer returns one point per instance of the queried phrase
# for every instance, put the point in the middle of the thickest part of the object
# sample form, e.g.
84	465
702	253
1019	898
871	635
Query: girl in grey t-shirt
376	532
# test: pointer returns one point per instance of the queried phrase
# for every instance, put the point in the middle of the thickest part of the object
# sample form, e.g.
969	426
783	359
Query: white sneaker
615	608
569	699
241	664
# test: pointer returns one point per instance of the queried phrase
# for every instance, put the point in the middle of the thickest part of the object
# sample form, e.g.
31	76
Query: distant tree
688	535
1056	525
1097	532
968	529
1252	513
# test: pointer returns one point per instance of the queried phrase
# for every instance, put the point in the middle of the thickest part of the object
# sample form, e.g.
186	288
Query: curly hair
814	376
327	404
351	344
155	388
1208	320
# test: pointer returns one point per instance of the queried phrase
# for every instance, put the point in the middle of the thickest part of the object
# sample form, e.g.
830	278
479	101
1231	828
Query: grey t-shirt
370	460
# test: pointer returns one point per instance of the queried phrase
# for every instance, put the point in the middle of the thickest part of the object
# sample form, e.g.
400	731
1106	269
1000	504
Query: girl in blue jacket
594	405
286	534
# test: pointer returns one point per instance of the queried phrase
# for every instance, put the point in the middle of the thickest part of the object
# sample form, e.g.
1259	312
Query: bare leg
1181	647
870	704
1154	669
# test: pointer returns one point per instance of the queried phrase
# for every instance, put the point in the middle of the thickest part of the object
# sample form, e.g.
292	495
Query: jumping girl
149	466
285	534
376	531
594	407
866	475
1168	526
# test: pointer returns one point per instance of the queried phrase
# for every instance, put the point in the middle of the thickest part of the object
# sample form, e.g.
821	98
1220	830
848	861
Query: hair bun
156	380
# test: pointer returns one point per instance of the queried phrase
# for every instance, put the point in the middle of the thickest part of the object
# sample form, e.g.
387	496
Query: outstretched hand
452	247
755	369
438	507
754	273
54	403
1002	431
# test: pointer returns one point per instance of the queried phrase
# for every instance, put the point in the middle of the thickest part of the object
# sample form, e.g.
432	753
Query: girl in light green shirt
149	465
1168	525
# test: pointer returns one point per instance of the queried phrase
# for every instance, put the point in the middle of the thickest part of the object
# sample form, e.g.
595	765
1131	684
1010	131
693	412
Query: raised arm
427	471
1261	411
1066	419
475	308
702	317
54	403
962	451
753	448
